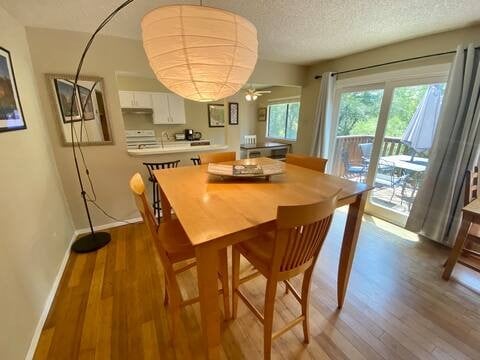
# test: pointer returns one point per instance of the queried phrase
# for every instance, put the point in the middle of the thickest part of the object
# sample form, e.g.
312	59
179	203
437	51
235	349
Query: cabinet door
161	115
143	99
126	99
176	105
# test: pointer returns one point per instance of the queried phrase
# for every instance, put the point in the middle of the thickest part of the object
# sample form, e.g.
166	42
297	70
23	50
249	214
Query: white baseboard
58	277
108	225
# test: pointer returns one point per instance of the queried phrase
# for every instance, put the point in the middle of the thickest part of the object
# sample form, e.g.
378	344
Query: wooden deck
110	305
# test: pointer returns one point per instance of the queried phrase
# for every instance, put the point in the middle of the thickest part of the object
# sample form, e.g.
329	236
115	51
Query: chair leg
175	307
286	287
270	293
307	280
225	287
235	280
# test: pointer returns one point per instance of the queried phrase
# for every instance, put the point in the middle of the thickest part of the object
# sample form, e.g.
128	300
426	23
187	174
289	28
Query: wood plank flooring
110	305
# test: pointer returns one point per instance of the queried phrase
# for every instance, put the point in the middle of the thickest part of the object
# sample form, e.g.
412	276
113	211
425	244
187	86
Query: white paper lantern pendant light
198	52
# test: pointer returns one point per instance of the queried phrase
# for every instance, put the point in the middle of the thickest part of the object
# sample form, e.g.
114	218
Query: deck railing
349	146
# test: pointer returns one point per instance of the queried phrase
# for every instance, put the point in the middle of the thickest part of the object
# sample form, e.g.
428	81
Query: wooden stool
151	166
465	251
173	246
289	251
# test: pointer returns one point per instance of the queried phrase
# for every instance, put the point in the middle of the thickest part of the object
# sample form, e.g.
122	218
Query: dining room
239	180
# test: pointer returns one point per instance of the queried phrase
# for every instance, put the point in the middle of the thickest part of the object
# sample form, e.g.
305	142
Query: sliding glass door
384	135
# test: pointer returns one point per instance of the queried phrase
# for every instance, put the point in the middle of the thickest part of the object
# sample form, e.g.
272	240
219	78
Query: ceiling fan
252	94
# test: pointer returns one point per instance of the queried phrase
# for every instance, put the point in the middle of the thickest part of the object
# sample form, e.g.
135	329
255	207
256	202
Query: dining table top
210	207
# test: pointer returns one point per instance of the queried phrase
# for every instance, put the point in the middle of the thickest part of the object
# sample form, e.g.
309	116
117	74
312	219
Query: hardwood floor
110	305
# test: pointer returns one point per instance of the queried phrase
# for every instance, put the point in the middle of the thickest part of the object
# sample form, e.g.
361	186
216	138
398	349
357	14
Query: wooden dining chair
216	157
173	246
309	162
290	250
471	246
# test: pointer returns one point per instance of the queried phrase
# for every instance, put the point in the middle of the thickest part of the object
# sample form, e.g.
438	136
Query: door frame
387	81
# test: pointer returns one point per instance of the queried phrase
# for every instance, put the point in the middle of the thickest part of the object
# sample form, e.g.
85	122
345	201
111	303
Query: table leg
207	268
457	248
350	237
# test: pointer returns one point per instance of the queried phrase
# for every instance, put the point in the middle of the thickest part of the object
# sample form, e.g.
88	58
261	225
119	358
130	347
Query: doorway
384	132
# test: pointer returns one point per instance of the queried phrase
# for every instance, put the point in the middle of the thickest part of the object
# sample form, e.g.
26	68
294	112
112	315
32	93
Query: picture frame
262	114
11	112
64	91
232	113
216	115
89	122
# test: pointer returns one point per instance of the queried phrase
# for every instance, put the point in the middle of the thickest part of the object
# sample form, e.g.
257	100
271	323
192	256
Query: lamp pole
94	240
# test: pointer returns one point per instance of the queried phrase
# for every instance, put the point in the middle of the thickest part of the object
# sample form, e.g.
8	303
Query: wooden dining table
216	212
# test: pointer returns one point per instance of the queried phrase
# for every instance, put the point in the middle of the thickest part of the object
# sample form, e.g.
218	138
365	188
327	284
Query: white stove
141	139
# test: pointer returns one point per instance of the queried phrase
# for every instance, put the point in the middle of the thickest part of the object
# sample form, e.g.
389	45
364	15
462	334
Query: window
283	120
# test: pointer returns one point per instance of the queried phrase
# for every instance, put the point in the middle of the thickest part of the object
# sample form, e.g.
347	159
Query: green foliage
281	118
359	110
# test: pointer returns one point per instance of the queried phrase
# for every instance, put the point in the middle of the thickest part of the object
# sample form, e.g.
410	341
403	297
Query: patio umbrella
421	129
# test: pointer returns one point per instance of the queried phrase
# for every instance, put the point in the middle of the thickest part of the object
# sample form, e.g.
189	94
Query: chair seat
259	248
175	240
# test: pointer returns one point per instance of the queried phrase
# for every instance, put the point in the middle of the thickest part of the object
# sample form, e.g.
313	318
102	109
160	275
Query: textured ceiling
293	31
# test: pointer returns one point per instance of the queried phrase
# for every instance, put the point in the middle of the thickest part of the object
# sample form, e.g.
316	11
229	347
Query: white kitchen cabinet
176	105
135	99
142	99
168	108
161	113
126	99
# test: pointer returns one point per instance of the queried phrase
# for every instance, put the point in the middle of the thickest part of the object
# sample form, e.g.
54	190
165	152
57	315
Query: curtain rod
390	63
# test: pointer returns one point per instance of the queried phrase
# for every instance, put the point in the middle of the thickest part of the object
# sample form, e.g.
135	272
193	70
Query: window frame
286	101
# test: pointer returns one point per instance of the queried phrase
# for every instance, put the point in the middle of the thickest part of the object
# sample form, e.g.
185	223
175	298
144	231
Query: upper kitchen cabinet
135	99
168	108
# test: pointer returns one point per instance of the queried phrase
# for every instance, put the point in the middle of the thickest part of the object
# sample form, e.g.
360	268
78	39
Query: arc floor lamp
198	52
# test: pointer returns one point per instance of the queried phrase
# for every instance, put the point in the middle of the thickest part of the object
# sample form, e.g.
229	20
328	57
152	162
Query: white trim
58	278
402	74
109	225
49	301
285	100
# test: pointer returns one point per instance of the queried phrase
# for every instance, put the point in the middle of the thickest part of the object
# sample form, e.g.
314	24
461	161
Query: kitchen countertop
170	149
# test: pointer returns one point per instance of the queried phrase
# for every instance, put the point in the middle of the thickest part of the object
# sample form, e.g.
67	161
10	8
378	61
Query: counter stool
151	166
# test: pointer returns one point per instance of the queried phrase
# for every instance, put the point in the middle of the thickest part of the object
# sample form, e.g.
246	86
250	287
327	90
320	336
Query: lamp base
91	242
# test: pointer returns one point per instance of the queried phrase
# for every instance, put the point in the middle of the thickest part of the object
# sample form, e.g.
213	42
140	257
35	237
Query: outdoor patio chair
353	169
388	176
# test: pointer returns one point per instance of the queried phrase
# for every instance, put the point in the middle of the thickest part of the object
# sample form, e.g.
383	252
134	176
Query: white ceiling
293	31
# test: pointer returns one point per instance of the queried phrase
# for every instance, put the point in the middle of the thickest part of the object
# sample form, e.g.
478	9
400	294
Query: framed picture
233	113
86	102
216	115
87	121
11	113
64	91
262	114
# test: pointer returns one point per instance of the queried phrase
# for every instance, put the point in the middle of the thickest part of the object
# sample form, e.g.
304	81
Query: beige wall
56	51
277	92
35	221
412	48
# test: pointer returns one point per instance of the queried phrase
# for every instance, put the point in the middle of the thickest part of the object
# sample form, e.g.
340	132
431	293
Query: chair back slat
471	185
309	162
195	160
217	157
301	231
152	166
250	139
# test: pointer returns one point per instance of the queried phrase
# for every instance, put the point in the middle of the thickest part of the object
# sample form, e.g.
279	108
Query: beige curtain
436	211
324	126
